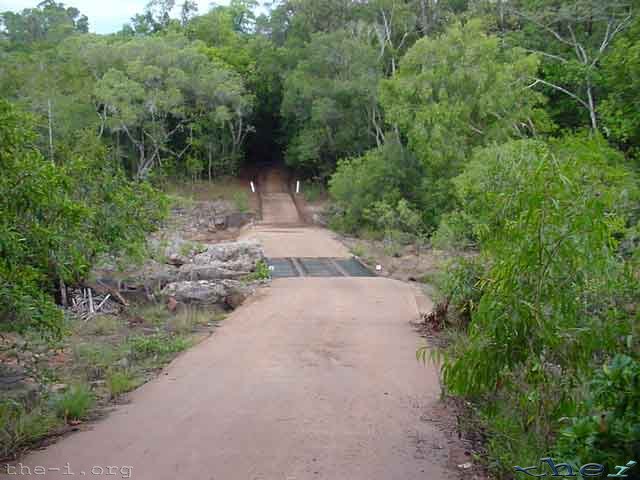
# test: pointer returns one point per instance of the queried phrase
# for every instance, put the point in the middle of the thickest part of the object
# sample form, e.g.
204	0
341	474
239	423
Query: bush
608	430
241	201
550	303
56	219
261	272
75	403
382	176
313	191
20	427
143	347
120	381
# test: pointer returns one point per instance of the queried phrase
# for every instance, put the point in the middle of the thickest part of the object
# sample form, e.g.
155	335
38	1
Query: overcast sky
105	16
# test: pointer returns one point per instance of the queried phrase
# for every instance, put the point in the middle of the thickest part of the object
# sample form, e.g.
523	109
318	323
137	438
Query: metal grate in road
282	268
354	268
317	267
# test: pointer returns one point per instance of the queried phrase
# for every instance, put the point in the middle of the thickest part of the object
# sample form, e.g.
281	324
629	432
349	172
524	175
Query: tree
48	23
160	88
572	38
454	93
55	220
621	72
330	105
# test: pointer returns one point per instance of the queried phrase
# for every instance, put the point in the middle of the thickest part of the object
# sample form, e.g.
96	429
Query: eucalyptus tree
572	38
330	103
456	92
159	88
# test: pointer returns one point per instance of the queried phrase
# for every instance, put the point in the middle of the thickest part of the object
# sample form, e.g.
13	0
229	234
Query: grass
189	319
261	272
157	346
20	427
358	250
220	189
185	321
241	201
120	382
102	325
75	403
191	248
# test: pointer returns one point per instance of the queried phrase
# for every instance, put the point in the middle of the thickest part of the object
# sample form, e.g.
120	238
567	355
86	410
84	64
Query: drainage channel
317	267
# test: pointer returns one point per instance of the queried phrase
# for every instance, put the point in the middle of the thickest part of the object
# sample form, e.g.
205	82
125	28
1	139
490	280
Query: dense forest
507	130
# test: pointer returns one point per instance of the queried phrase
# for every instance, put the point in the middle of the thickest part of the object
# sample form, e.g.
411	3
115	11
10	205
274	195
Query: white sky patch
106	16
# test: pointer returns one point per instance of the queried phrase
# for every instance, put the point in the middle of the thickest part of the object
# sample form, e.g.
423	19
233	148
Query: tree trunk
592	108
210	161
50	115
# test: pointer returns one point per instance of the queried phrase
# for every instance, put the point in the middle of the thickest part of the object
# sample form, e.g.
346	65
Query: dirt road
314	378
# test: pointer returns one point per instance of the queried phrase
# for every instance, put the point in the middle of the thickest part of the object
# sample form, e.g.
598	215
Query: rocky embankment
184	272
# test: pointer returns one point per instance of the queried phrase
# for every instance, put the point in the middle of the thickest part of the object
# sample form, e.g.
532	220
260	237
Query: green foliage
183	84
621	108
547	302
121	381
547	219
386	175
454	232
456	92
19	426
157	345
55	220
48	23
241	201
261	272
313	191
608	430
74	404
329	100
462	285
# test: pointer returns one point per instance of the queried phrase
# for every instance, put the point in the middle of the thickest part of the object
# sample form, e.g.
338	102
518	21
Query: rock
177	260
172	304
220	223
220	271
16	385
58	387
234	300
241	256
206	292
216	264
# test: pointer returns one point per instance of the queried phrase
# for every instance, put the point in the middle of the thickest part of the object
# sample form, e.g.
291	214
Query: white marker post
298	186
253	187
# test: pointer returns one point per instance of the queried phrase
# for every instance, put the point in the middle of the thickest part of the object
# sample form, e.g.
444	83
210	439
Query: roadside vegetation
504	133
96	362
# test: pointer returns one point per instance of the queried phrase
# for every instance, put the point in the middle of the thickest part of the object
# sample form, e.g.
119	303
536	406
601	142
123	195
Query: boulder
239	256
218	271
208	292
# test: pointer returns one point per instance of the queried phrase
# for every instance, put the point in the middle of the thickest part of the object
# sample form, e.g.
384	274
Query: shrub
382	176
550	303
75	403
261	272
607	431
548	222
120	381
160	345
241	201
313	191
19	427
56	219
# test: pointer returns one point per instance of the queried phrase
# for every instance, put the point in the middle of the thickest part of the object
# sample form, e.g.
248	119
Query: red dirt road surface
313	378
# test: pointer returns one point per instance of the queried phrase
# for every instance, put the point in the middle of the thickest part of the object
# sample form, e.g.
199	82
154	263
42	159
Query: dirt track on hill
314	378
